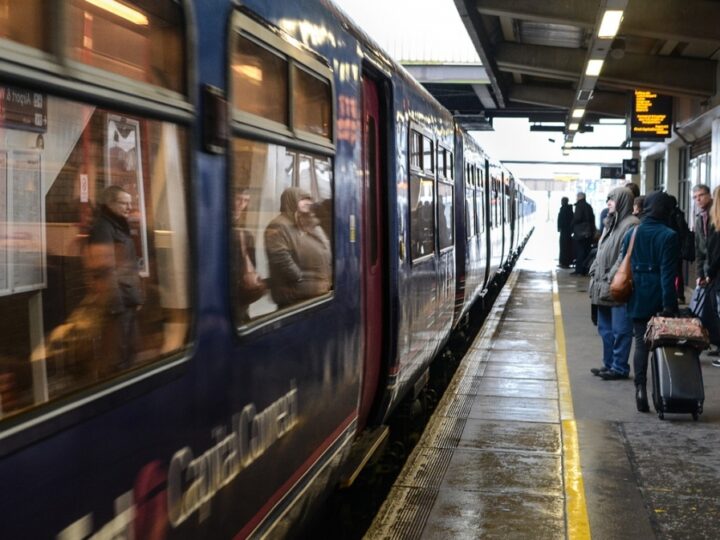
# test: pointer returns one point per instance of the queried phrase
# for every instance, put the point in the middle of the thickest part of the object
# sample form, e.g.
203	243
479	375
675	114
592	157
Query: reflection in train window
445	215
422	217
141	40
281	249
415	150
23	22
470	212
260	81
311	103
94	263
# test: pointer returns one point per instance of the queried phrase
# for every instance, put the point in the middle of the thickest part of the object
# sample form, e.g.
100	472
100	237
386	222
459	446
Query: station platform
527	443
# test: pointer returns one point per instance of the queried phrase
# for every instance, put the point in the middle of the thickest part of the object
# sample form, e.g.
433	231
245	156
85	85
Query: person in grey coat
614	325
298	251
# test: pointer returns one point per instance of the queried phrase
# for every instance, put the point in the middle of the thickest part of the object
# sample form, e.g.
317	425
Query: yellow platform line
578	526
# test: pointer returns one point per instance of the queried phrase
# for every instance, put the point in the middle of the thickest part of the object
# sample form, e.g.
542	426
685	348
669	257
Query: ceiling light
574	126
612	121
594	67
578	113
121	10
610	23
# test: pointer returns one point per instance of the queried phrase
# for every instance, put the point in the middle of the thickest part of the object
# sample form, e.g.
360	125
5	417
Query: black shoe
598	370
641	399
611	375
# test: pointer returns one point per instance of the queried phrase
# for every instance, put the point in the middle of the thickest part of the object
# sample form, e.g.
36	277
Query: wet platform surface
508	445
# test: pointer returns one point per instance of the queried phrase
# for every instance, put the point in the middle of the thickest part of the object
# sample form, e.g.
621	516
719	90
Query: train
309	225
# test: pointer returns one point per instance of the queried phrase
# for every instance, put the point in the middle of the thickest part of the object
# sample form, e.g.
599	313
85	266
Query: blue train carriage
472	222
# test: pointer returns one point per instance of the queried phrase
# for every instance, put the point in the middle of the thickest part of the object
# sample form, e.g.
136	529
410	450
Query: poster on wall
25	234
123	163
4	281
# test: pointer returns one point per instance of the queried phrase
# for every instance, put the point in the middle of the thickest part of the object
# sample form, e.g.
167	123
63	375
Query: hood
658	205
290	198
623	198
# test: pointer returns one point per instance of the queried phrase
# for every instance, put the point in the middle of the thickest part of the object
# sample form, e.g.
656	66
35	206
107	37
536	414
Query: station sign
23	109
611	172
650	116
631	166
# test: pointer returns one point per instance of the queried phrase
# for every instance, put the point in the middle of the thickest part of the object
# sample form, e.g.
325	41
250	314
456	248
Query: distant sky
432	30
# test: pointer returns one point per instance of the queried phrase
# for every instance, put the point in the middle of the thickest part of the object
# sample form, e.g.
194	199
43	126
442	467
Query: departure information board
650	116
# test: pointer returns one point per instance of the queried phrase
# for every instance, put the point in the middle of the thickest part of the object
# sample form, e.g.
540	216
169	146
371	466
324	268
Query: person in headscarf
564	227
298	252
614	325
655	254
583	233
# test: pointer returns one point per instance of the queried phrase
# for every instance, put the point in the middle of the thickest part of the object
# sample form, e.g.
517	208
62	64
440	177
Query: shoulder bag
621	286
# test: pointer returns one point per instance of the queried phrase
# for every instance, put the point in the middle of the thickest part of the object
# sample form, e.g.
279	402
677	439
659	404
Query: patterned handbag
676	331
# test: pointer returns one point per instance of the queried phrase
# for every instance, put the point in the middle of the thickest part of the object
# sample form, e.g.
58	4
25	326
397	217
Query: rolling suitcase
677	380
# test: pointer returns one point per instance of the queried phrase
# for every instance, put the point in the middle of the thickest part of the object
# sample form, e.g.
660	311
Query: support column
715	155
672	163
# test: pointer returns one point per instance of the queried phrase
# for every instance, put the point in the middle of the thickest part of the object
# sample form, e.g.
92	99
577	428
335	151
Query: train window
470	212
142	40
23	22
260	81
428	163
422	216
446	228
441	163
415	150
450	166
94	260
312	108
481	201
281	254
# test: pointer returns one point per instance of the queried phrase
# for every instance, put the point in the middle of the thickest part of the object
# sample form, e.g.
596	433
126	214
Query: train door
373	226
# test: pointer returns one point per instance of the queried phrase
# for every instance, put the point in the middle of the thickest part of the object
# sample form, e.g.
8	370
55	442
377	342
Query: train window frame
56	69
481	200
258	130
297	56
53	75
421	174
446	184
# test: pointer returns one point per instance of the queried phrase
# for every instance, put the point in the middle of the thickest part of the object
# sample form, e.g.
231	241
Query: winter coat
125	289
298	252
654	264
604	267
702	265
583	221
564	220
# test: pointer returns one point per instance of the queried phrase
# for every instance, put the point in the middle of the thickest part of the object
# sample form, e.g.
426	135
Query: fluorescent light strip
574	126
594	67
121	10
610	23
578	113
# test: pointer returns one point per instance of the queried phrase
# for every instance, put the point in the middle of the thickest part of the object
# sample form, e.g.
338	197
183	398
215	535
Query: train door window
428	163
24	23
451	166
446	236
311	103
422	196
281	254
469	203
140	40
481	200
415	150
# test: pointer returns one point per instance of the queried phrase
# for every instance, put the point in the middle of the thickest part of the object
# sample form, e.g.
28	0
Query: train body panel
235	419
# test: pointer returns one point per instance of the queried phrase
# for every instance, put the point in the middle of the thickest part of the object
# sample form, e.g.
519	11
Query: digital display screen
650	116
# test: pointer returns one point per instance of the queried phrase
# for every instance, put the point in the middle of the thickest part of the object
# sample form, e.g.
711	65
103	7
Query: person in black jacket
564	227
113	265
583	232
687	245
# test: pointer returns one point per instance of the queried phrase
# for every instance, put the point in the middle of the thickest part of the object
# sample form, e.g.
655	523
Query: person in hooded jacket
298	252
614	325
654	258
564	227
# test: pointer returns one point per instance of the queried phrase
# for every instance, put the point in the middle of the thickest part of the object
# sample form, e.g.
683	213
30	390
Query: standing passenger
654	262
298	251
614	325
583	232
564	227
114	261
712	287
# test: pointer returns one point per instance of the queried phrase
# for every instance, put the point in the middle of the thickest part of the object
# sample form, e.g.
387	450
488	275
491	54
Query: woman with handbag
653	259
614	325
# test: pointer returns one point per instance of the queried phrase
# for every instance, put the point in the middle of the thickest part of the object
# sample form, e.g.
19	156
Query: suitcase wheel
695	416
661	415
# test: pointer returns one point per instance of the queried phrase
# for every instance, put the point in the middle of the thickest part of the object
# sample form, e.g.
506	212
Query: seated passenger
298	251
